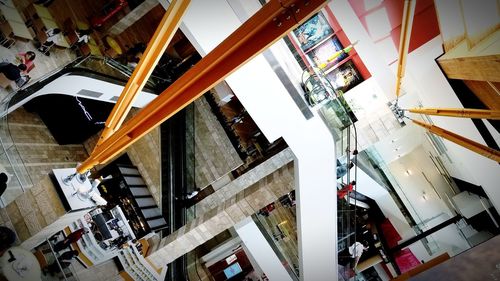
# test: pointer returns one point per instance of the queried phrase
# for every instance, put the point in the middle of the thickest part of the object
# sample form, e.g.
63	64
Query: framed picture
345	77
324	54
313	31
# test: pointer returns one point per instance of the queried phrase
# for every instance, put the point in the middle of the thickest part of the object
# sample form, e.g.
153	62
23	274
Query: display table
71	198
42	20
15	21
24	267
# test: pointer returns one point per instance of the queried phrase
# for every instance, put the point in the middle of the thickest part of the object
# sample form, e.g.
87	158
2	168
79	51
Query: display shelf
118	213
319	43
135	265
89	246
332	67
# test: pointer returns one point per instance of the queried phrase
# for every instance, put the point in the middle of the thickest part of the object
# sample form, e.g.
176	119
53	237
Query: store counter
109	229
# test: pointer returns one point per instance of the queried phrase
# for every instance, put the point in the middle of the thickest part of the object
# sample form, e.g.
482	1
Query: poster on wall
313	31
344	77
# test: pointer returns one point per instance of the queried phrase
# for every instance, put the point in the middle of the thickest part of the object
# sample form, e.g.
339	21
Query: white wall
374	62
434	91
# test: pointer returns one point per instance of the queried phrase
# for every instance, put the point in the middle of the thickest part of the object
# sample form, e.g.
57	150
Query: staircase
143	197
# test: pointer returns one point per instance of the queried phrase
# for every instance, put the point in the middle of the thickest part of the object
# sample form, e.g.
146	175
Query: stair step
156	223
145	202
151	213
140	191
129	170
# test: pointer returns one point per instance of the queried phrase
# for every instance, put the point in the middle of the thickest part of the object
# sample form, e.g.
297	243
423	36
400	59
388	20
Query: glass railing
11	163
154	82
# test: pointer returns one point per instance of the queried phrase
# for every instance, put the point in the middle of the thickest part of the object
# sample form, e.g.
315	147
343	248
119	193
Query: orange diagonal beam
270	23
462	141
157	45
404	42
459	112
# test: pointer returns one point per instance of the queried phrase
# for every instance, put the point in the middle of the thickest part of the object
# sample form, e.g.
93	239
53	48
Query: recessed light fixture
424	196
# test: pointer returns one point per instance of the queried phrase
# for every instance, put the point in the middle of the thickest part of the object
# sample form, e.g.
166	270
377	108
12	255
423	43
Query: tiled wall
40	206
215	156
243	204
33	210
256	174
145	155
37	148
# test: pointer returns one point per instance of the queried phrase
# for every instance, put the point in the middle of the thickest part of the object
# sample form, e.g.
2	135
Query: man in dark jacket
11	71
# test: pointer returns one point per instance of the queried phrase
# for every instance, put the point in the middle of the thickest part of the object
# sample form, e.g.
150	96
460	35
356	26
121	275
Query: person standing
356	251
71	238
52	35
14	73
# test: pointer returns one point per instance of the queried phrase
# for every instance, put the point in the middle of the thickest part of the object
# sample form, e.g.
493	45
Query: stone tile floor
43	64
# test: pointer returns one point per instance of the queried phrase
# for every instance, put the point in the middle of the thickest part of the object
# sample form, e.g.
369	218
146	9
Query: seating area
25	26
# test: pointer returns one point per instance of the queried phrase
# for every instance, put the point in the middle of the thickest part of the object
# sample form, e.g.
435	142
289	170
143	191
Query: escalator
91	77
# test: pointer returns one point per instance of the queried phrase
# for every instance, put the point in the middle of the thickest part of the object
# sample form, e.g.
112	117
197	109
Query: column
260	250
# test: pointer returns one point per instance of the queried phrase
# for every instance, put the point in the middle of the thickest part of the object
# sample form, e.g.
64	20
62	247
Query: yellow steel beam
404	42
157	45
465	142
459	112
269	24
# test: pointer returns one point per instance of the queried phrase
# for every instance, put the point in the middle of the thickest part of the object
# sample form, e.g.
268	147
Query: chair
6	35
45	48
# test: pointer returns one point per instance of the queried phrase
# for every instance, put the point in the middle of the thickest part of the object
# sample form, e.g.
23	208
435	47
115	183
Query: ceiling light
424	196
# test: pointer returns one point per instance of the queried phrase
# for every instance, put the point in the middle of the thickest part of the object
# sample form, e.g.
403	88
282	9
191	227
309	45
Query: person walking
64	261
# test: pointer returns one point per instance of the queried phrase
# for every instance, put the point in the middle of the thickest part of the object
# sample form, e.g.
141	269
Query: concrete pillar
261	251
